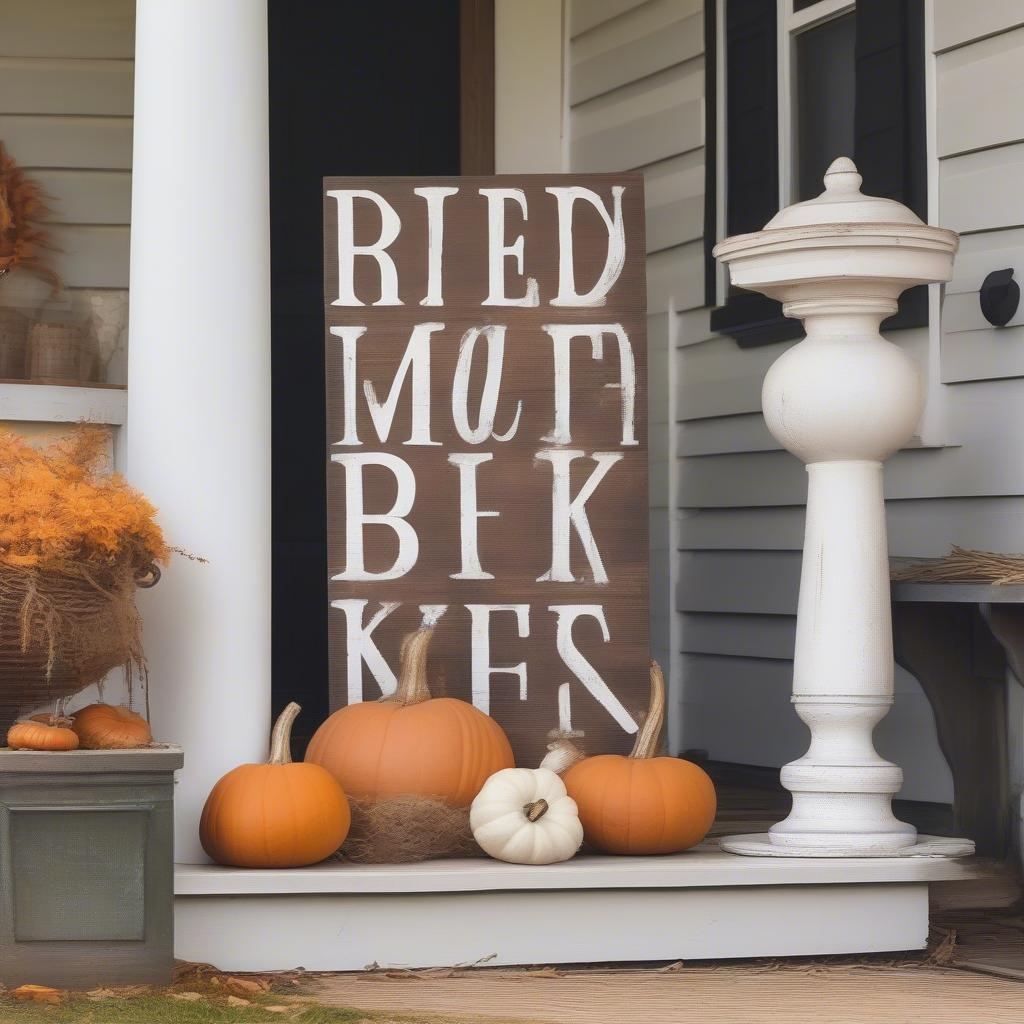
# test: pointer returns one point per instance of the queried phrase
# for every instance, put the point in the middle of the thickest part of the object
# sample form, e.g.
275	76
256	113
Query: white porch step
704	904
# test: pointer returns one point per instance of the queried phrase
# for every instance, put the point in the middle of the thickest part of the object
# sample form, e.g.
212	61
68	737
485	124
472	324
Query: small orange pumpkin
42	732
106	727
643	804
412	744
281	814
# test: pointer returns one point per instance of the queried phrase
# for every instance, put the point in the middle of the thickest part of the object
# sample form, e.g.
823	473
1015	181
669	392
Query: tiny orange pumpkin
107	727
643	804
281	814
411	743
42	732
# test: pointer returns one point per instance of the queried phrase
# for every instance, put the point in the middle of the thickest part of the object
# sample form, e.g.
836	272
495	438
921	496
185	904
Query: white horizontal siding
30	85
660	34
917	528
958	21
640	123
586	14
981	191
103	29
66	95
69	142
674	190
88	196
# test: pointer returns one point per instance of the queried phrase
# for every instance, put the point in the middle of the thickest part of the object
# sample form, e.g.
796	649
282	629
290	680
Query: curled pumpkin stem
281	737
412	670
648	739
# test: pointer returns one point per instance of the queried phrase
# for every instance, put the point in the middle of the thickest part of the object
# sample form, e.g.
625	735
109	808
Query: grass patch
163	1009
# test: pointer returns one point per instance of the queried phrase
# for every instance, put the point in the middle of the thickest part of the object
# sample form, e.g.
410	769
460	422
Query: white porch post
198	435
843	400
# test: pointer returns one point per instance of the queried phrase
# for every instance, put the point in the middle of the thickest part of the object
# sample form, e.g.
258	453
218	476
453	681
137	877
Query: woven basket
13	339
55	351
60	632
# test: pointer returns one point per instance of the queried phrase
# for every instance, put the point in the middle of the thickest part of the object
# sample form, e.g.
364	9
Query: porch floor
756	993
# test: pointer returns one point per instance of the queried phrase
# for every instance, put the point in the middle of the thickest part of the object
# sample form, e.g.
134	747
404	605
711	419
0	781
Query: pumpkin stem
412	668
648	739
281	737
561	755
536	810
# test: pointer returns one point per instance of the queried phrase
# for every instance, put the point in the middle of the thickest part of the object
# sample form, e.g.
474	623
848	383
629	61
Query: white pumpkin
525	816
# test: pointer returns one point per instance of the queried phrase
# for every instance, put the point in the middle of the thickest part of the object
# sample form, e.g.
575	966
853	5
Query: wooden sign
487	445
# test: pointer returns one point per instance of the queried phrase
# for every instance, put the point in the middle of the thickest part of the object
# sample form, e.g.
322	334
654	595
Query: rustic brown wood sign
487	445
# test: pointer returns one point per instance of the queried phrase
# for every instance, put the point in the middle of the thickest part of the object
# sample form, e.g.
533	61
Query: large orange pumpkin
642	804
42	732
280	814
412	744
106	727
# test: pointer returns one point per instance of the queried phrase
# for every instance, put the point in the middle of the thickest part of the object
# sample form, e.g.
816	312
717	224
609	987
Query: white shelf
705	866
58	403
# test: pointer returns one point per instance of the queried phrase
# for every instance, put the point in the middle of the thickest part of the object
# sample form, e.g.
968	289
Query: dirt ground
738	994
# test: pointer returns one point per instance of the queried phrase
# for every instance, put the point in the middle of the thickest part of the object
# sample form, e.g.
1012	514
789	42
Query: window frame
752	319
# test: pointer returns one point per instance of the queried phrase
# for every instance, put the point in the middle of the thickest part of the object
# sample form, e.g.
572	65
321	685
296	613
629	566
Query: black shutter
752	114
751	160
889	140
889	120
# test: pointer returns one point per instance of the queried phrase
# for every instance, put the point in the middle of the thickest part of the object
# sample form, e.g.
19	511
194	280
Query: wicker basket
13	339
55	351
60	632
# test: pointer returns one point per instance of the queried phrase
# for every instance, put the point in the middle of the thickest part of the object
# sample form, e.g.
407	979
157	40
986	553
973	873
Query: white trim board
349	932
706	866
56	403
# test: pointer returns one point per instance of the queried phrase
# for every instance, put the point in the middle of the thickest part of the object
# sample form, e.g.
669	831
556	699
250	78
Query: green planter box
87	867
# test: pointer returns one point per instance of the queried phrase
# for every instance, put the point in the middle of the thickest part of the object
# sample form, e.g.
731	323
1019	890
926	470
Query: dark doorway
355	88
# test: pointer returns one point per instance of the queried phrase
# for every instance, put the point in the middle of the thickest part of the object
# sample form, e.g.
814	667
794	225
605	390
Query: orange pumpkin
106	727
642	804
42	732
281	814
412	744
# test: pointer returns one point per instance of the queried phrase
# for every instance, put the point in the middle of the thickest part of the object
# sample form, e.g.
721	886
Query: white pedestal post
198	435
843	400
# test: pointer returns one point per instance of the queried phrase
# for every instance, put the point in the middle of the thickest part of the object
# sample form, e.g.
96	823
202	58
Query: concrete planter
86	866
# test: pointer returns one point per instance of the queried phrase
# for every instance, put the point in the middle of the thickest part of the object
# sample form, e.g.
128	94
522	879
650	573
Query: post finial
842	176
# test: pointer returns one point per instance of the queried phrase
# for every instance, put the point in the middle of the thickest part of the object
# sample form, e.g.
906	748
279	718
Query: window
790	86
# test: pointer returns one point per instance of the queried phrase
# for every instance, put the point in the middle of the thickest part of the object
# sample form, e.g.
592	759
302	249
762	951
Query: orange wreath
23	243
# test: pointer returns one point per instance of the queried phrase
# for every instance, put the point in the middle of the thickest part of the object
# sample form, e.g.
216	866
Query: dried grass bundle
963	565
407	830
23	243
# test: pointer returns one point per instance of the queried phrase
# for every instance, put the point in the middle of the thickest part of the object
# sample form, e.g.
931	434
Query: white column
843	400
198	436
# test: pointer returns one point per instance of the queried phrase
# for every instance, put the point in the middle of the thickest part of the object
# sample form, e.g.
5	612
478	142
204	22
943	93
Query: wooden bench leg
948	649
